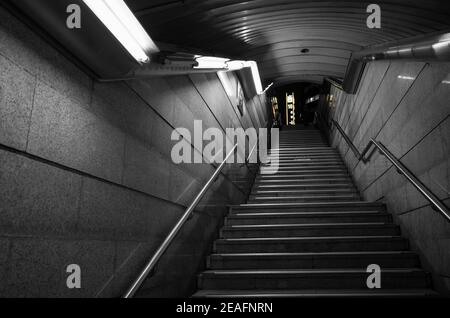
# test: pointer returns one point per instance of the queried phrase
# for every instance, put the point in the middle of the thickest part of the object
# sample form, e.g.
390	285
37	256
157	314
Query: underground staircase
306	232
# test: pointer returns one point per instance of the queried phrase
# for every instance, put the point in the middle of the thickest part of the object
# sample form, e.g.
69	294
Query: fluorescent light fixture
441	45
410	78
122	23
238	65
211	62
446	82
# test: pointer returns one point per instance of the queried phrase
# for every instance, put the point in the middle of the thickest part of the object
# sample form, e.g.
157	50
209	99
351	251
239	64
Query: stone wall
406	106
86	175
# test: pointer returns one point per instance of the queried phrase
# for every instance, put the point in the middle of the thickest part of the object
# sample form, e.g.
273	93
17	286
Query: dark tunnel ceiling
274	32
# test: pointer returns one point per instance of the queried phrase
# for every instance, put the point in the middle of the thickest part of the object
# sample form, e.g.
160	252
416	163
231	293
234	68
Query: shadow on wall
405	106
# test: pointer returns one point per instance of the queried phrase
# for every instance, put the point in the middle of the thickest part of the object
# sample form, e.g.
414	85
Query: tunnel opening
296	103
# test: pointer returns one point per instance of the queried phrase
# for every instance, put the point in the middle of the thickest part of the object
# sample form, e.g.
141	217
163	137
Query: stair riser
322	187
304	150
305	154
307	220
288	173
304	200
325	281
304	247
293	178
296	150
291	159
302	182
308	168
387	231
356	207
320	294
303	143
319	192
328	262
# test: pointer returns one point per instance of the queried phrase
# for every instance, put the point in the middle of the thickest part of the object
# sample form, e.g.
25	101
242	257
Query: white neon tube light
211	62
122	23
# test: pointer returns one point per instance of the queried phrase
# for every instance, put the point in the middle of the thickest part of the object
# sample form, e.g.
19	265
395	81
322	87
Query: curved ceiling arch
274	32
397	28
317	51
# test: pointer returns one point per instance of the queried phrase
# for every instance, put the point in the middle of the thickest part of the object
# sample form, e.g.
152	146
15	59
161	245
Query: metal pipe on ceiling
423	48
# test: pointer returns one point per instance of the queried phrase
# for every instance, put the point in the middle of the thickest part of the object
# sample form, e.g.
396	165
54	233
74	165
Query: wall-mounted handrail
366	155
168	240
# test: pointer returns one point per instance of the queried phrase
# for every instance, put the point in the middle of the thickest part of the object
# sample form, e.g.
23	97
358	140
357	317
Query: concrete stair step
311	279
298	153
385	259
302	171
317	293
306	149
306	167
306	198
302	182
307	218
303	144
312	157
300	162
306	139
315	192
308	207
309	230
311	244
303	175
304	187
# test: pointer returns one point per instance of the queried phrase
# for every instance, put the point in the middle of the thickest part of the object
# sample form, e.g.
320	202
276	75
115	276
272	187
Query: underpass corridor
201	149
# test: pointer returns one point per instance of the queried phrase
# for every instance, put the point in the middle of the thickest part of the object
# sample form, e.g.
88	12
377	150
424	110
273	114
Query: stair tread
300	197
302	181
312	271
318	225
313	238
301	175
316	254
316	293
303	214
303	191
306	204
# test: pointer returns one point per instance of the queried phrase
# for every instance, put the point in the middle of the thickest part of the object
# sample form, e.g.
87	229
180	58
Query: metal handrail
163	247
365	157
251	153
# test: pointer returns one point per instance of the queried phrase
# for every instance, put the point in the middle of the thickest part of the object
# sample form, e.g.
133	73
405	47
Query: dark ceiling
274	32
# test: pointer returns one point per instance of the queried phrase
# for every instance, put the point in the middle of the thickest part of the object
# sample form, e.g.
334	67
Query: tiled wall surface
406	106
86	175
